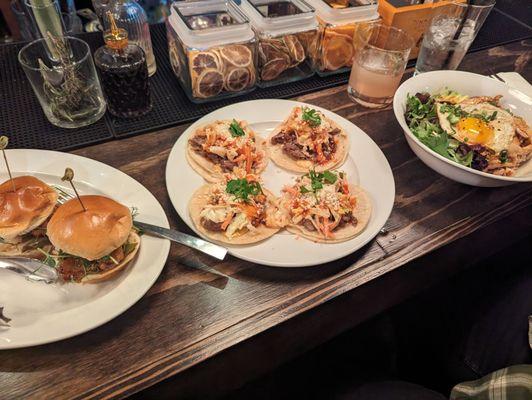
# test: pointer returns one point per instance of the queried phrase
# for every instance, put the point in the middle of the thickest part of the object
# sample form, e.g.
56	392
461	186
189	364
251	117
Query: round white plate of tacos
360	185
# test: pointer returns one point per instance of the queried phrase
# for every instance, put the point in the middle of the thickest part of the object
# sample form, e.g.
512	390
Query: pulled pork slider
94	244
26	203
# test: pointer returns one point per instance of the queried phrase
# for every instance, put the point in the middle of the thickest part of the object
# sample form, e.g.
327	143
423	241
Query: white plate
365	165
472	85
46	313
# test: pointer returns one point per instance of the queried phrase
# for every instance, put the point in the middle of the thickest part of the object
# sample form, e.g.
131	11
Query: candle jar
67	88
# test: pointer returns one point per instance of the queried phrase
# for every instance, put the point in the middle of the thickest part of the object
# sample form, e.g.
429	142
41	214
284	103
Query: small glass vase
67	88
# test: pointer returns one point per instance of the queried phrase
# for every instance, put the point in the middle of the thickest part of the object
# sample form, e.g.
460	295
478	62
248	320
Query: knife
211	249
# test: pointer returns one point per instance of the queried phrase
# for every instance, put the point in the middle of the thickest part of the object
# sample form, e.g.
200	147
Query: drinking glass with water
453	28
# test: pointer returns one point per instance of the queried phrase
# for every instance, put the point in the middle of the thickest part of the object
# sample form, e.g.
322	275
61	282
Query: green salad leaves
422	120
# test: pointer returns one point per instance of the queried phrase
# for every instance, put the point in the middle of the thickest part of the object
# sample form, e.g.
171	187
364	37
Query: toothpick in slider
69	176
4	141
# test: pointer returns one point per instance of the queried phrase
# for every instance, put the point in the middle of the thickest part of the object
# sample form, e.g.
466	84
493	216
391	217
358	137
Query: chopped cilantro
311	116
317	179
242	189
236	129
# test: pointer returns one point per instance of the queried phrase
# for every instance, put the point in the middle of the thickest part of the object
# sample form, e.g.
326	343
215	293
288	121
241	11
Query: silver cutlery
31	269
515	91
211	249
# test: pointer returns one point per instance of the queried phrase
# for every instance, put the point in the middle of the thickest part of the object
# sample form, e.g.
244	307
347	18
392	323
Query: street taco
306	140
225	146
325	207
235	211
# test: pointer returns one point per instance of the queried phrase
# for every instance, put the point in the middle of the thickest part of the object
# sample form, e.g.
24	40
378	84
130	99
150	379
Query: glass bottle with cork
124	73
130	16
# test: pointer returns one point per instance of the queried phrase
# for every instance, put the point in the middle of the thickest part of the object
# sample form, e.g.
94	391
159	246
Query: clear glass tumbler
381	54
67	88
453	28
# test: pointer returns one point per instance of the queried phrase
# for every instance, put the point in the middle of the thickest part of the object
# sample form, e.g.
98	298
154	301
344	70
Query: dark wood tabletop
207	325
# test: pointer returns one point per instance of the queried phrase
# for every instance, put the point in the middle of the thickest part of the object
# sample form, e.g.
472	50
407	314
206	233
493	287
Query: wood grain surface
200	307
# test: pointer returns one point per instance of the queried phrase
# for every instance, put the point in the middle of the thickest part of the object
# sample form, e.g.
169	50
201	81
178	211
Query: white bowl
473	85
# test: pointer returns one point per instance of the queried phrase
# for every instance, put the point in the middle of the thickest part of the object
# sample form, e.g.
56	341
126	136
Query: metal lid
277	17
208	23
345	11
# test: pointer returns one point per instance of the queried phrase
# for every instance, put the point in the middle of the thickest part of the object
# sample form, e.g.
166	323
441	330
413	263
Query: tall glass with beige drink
381	54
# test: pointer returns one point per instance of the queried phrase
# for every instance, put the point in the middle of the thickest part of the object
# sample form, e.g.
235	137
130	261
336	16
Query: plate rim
164	252
174	150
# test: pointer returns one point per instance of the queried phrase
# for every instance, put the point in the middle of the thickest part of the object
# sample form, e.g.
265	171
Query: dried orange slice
208	84
237	55
337	51
272	69
269	51
348	30
295	49
203	60
237	79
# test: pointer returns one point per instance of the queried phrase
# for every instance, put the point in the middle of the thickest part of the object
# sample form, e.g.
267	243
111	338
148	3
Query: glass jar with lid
286	31
338	22
212	49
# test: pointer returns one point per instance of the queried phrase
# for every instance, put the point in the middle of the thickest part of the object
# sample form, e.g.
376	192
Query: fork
193	242
515	91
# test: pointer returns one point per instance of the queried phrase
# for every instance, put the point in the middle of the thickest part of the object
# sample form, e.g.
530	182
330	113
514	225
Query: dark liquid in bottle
127	90
124	78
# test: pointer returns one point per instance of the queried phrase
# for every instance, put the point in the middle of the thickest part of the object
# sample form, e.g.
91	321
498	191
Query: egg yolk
474	130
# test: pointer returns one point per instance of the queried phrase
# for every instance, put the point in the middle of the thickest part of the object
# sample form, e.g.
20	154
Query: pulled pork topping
307	135
74	269
238	206
320	202
229	145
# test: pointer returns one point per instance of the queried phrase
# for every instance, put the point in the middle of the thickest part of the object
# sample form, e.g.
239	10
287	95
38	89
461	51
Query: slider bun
112	273
26	208
90	234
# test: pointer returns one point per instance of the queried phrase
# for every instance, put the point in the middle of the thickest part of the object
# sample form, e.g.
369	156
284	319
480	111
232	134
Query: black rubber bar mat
23	120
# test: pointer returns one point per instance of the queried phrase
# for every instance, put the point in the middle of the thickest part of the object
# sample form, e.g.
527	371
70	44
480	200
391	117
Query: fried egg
495	135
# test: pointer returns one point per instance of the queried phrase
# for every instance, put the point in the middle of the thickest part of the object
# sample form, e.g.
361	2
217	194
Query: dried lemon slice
208	84
203	60
295	49
174	58
237	79
272	69
237	55
337	51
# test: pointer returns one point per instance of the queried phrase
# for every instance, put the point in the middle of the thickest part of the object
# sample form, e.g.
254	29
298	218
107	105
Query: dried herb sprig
70	94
